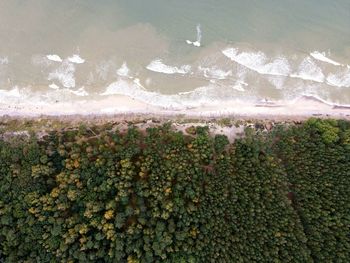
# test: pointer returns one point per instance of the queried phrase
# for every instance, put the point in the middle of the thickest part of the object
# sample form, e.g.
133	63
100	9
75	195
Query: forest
157	195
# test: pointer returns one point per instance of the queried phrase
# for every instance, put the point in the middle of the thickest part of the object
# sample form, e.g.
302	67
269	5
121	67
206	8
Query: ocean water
174	54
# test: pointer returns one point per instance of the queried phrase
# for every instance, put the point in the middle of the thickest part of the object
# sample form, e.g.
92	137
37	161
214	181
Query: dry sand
122	111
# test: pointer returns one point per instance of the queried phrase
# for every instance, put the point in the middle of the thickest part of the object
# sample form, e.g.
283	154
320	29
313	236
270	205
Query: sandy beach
300	109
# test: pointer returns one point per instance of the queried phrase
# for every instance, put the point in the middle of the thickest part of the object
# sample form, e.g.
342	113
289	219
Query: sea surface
174	53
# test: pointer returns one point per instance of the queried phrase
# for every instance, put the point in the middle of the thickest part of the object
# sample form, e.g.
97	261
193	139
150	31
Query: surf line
196	43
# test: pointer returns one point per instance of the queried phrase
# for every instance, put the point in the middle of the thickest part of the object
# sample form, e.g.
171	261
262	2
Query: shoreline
231	120
127	107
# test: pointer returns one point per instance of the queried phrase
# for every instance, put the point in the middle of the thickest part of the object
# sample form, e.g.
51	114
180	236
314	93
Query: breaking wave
158	66
64	74
76	59
246	75
258	61
322	57
54	57
308	70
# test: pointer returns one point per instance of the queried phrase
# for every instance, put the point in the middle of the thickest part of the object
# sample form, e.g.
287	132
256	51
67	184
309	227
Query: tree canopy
90	195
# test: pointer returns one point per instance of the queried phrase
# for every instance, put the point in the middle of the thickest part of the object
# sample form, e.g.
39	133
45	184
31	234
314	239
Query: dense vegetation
88	195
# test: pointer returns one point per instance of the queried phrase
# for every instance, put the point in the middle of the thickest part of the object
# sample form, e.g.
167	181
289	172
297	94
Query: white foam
76	59
12	93
183	100
199	96
277	81
230	53
322	57
215	73
308	70
257	61
185	92
64	74
114	88
341	79
123	71
54	57
158	66
138	83
239	86
243	83
279	67
130	89
196	43
103	69
4	60
54	86
311	95
127	88
80	92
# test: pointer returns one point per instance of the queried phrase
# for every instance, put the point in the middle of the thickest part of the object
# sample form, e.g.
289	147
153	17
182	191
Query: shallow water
174	53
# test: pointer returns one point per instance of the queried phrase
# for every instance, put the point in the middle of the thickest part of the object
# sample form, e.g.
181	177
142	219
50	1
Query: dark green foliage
220	142
88	195
327	129
317	161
